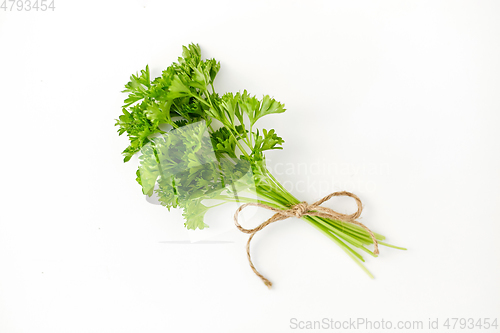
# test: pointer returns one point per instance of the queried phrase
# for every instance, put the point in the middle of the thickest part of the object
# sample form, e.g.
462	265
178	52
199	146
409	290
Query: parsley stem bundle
195	145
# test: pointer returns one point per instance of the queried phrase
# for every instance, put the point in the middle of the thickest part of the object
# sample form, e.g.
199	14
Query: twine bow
299	210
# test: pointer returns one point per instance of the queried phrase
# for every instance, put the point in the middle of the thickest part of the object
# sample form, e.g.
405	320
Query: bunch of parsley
177	167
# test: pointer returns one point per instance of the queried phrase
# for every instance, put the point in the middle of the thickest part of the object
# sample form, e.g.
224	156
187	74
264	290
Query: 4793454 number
471	323
27	5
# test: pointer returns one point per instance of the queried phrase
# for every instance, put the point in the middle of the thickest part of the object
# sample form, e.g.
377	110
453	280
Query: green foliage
256	109
225	143
178	93
176	166
268	141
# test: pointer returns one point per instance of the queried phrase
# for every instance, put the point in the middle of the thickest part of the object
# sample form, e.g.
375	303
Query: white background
400	99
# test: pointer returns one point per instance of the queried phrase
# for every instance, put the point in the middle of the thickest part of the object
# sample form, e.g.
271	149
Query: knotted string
299	210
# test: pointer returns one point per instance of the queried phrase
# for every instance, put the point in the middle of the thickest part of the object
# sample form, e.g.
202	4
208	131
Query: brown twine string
299	210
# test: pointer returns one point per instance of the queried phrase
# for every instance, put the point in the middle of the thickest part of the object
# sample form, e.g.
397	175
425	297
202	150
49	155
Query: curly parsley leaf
178	168
256	109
